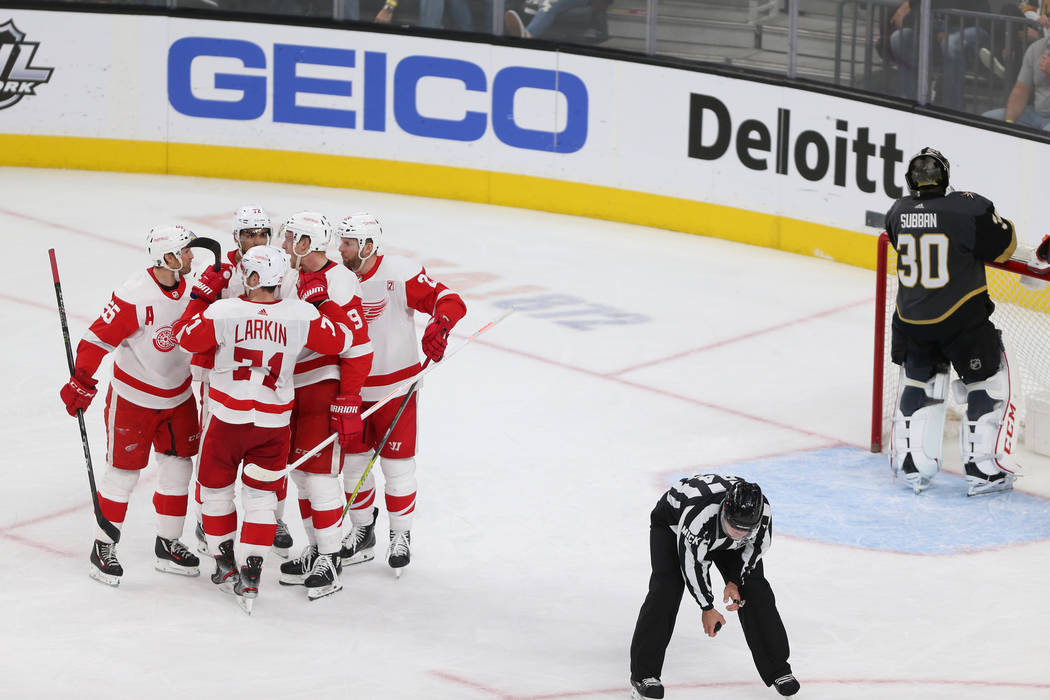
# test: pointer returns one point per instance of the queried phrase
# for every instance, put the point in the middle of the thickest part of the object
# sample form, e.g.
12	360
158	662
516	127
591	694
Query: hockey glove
78	392
345	418
211	283
435	337
313	288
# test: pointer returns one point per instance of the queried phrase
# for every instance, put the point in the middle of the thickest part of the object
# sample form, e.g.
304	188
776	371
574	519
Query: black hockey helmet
743	505
927	173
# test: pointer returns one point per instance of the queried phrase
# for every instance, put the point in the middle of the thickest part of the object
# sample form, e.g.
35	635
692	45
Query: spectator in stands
545	13
1032	86
1017	37
432	13
956	48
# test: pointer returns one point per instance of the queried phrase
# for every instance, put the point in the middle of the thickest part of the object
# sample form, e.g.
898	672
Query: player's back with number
942	245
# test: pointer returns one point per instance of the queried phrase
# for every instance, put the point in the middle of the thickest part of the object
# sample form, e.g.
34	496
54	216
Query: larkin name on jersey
149	368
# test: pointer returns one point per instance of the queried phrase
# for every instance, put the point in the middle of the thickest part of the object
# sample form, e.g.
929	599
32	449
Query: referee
701	520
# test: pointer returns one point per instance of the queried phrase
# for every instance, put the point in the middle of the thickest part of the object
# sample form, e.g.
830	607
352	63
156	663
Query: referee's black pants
759	619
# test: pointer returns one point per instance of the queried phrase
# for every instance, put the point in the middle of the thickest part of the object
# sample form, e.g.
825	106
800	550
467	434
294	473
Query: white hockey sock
305	511
260	522
172	495
400	477
326	504
113	495
353	467
218	516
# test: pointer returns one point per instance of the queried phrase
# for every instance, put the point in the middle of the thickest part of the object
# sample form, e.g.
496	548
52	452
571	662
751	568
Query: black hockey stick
210	244
109	528
386	436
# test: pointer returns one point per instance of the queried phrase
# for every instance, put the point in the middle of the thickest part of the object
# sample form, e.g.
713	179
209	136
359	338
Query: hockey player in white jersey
327	397
149	402
251	227
256	338
393	290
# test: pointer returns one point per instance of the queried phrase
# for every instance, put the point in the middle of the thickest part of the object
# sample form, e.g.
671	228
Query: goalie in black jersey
943	239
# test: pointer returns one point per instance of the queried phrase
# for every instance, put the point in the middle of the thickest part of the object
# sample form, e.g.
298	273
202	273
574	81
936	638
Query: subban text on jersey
919	220
262	329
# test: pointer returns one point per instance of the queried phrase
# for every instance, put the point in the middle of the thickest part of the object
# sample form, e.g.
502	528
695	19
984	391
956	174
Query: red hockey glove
312	288
435	337
78	392
345	418
211	283
1043	251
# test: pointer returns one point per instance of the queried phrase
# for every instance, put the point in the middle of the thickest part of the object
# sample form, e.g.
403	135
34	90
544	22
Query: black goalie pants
759	619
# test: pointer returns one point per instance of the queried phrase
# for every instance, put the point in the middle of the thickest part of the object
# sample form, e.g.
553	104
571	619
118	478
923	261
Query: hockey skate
399	553
104	565
282	541
202	540
359	544
647	688
980	483
173	557
786	685
295	571
225	576
324	577
247	586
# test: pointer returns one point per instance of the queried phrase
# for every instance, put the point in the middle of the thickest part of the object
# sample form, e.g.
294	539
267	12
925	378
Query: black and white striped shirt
691	509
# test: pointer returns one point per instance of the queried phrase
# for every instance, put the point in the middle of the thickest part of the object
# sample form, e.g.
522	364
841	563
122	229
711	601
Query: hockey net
1022	313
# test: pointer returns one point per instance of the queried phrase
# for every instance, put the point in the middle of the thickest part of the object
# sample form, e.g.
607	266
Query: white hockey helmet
251	217
362	226
311	224
269	262
168	238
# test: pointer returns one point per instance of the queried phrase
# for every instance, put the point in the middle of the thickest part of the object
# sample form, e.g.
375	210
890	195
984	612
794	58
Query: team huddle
287	347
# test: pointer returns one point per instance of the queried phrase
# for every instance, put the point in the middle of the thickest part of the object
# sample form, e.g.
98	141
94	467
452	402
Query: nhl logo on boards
17	77
164	339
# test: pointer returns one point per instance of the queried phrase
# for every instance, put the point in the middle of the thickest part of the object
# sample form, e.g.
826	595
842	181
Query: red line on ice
70	229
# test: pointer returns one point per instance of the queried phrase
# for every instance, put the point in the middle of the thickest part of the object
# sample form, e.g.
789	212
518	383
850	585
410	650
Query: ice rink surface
636	356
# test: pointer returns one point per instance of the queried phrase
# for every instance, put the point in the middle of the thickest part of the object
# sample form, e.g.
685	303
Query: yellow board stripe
446	182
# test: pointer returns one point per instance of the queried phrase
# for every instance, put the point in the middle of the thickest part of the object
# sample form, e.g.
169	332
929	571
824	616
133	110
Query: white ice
543	449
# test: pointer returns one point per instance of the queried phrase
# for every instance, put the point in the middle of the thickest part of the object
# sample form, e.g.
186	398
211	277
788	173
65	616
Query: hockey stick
382	443
210	244
398	389
107	527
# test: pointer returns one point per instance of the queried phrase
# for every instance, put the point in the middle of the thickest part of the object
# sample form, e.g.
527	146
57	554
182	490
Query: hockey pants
759	619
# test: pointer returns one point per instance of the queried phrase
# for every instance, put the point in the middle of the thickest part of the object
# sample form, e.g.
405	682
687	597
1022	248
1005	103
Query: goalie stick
398	389
107	527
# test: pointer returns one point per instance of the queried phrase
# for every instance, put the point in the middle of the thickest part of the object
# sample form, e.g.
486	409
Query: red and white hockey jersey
392	291
149	367
344	290
256	345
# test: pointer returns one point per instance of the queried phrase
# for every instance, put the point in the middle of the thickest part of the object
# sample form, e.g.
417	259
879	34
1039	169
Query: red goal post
1022	313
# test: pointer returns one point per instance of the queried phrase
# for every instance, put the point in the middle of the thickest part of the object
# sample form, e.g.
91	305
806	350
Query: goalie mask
362	227
743	506
312	225
251	218
270	263
927	173
170	238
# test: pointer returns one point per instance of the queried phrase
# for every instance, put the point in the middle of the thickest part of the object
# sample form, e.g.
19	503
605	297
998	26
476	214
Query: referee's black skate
646	688
172	557
295	571
786	685
104	565
360	543
282	540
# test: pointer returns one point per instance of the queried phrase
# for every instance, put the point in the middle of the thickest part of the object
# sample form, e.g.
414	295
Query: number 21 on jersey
923	261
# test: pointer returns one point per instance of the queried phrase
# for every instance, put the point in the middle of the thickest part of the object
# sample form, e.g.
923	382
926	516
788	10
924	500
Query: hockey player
251	227
701	520
943	238
149	402
257	338
327	396
392	291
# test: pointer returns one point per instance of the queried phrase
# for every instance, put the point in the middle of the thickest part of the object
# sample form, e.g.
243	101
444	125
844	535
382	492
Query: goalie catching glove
78	392
345	418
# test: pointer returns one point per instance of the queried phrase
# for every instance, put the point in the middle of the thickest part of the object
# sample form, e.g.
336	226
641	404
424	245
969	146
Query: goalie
943	239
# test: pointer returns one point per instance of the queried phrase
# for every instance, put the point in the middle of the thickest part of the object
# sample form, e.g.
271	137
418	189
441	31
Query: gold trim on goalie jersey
946	314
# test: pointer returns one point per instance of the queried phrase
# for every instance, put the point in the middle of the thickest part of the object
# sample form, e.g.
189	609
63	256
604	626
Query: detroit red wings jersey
256	344
391	293
149	367
345	290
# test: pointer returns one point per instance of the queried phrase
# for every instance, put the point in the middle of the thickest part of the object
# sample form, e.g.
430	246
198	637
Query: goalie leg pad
987	435
918	428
